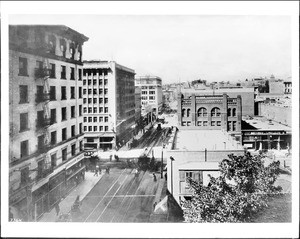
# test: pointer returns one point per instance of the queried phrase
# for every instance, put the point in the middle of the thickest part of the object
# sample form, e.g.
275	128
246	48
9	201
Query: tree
243	188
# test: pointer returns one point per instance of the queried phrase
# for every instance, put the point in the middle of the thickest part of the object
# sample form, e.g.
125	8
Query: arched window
229	112
63	46
202	112
183	112
215	112
234	112
72	50
188	112
79	52
52	43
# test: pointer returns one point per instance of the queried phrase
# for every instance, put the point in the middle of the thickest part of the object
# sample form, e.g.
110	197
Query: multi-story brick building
45	116
151	87
210	112
247	96
109	104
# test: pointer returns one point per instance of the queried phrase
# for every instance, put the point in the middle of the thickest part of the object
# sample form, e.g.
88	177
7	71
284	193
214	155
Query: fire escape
43	121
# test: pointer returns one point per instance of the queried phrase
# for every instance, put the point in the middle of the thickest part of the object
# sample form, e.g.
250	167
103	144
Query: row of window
148	87
95	72
146	98
94	100
151	92
202	123
231	125
89	81
42	121
95	119
63	47
24	145
95	128
95	91
94	110
42	96
40	73
202	112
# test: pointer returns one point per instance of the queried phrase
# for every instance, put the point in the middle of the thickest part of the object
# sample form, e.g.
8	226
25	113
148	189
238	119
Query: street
119	197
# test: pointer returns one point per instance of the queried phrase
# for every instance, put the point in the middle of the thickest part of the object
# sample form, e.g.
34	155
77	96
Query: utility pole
162	162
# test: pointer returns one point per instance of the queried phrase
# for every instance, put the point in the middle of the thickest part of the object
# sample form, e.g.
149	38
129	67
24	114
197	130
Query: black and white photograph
150	119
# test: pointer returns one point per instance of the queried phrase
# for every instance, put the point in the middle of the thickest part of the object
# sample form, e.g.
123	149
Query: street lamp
172	159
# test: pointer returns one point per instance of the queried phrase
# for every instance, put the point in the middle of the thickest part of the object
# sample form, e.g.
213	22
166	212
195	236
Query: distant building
151	87
276	86
288	86
247	96
108	104
138	106
45	116
260	133
210	112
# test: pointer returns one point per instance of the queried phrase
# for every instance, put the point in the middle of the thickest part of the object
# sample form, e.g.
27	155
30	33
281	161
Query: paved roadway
119	197
152	137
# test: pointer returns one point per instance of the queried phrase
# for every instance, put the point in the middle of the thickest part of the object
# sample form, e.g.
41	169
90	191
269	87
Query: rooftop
198	140
59	29
262	123
217	91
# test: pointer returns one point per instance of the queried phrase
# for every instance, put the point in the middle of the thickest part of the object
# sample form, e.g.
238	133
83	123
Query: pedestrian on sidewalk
107	170
154	177
57	209
96	171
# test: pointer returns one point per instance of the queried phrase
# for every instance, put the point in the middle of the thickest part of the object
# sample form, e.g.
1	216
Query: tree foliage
242	189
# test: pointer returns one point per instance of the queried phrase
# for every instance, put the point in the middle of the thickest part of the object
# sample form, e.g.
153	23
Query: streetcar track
104	196
125	196
112	198
132	198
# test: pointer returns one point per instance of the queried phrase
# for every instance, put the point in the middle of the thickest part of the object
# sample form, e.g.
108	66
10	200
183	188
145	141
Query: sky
181	48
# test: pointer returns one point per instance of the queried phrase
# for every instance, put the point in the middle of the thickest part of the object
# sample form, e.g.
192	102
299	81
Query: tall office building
151	87
109	104
45	116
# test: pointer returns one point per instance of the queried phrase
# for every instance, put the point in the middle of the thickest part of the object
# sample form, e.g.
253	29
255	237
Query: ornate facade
210	112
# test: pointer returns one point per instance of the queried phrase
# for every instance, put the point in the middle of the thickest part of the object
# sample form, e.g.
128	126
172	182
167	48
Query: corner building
210	112
109	104
45	116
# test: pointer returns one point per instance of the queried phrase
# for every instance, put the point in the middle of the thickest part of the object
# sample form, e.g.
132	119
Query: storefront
19	205
41	201
57	188
74	175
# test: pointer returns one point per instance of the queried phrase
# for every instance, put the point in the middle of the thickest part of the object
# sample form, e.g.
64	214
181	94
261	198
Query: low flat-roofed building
205	139
259	133
196	154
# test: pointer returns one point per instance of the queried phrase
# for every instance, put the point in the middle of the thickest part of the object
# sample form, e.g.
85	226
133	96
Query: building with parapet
247	96
45	117
210	112
108	104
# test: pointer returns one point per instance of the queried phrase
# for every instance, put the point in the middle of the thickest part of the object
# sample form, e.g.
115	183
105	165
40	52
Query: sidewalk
82	190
